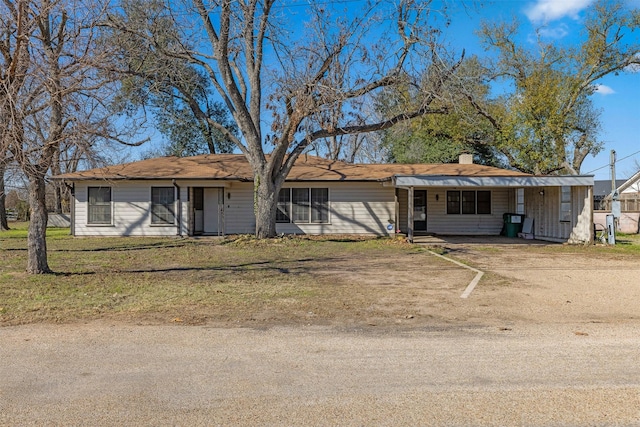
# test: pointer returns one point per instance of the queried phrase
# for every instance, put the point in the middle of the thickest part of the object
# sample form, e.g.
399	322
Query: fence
628	203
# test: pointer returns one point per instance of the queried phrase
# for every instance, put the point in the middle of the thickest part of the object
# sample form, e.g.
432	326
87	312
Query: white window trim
566	214
101	224
162	224
309	222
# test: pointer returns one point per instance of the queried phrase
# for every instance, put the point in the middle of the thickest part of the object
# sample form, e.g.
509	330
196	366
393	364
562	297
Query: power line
617	160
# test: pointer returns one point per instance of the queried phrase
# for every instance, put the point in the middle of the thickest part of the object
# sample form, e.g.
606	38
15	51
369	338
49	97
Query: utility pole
615	204
612	163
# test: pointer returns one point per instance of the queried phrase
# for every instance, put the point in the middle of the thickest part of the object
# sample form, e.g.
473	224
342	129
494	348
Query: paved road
102	374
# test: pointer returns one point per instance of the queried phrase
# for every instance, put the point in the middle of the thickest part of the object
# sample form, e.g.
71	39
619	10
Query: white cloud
557	32
551	10
604	90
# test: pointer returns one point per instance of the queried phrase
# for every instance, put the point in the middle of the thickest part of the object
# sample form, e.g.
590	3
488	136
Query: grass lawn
153	280
241	281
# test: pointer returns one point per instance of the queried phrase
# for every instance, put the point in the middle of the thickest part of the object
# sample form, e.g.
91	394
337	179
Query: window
303	205
520	201
483	203
283	214
300	204
99	205
453	202
198	199
162	210
469	202
320	205
565	203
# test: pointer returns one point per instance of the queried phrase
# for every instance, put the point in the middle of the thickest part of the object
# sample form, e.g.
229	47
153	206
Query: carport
561	207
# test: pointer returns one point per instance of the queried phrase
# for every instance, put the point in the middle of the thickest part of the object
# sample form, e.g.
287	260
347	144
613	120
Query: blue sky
618	97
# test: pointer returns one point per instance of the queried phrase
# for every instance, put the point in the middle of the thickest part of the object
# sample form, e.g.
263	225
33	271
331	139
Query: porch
560	206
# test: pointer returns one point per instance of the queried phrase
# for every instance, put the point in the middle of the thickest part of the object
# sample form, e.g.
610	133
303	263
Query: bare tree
4	224
277	79
52	99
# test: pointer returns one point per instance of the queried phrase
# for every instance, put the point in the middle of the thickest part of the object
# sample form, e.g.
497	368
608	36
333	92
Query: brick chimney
465	159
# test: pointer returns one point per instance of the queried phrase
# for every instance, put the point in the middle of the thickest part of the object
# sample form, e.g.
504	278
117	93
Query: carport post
410	216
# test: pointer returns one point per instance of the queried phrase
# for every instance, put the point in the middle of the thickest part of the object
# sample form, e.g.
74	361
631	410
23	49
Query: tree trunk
4	224
265	196
57	198
57	185
36	237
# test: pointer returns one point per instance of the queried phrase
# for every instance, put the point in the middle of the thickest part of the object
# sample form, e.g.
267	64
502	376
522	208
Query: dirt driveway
546	283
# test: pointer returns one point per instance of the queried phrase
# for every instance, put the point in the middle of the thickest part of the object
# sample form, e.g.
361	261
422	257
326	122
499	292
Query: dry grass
238	280
342	280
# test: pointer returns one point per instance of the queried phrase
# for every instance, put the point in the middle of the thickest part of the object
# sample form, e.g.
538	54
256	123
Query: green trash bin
512	224
512	230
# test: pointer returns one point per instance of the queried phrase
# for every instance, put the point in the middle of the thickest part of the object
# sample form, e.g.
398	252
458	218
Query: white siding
131	206
403	211
238	211
543	205
212	220
354	208
439	222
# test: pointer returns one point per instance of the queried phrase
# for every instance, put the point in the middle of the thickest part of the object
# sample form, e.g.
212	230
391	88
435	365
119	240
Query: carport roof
493	181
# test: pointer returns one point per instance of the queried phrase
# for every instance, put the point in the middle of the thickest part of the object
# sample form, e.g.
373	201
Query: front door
211	207
420	210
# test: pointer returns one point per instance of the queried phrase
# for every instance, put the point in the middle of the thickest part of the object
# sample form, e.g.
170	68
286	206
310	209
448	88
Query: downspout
396	219
179	225
72	208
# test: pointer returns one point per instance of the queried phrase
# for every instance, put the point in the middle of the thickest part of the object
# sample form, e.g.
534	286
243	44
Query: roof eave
492	181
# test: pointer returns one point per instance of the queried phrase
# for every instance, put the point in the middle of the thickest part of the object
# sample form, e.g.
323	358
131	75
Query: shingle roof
307	168
602	188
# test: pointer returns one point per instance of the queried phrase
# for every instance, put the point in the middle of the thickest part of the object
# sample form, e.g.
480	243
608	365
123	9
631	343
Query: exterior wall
543	205
629	222
582	215
403	211
439	222
354	208
131	206
633	187
238	210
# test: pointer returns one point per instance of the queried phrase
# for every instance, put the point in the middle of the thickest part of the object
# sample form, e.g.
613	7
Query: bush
22	210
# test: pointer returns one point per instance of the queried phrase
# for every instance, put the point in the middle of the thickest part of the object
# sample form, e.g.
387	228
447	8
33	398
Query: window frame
300	205
319	208
91	206
487	204
157	218
565	203
460	202
454	203
303	209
